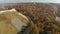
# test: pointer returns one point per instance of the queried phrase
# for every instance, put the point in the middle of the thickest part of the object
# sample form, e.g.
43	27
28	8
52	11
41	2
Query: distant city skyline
22	1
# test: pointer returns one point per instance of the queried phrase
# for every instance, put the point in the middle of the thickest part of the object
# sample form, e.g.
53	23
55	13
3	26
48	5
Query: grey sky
21	1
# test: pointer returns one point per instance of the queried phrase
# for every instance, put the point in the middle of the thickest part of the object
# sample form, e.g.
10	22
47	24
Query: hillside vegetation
43	17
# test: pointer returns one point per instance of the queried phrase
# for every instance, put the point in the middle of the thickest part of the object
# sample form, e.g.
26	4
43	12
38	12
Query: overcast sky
21	1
